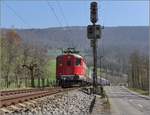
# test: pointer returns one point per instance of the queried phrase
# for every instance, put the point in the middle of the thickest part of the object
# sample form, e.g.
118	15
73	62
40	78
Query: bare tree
139	72
9	44
22	61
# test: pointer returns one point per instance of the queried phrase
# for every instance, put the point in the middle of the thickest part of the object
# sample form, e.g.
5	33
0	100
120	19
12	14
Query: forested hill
115	40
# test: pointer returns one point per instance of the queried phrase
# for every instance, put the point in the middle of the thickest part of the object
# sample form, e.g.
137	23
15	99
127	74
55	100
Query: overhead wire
64	17
62	12
69	32
54	13
52	9
16	14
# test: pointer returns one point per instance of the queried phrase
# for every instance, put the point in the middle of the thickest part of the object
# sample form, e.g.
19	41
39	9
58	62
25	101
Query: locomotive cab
70	69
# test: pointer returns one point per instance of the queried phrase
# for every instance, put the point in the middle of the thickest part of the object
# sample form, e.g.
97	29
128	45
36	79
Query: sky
61	13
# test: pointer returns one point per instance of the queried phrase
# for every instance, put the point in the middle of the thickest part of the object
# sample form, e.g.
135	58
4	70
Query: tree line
22	64
138	71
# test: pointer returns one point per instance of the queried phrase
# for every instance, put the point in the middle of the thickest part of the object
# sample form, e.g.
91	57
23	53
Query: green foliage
52	68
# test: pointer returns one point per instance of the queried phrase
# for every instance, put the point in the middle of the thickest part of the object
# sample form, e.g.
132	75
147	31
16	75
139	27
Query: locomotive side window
69	63
78	61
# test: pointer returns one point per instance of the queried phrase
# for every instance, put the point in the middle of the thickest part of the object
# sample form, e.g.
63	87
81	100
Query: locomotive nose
69	70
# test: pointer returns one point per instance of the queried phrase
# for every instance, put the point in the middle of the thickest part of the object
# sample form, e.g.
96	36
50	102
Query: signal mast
94	33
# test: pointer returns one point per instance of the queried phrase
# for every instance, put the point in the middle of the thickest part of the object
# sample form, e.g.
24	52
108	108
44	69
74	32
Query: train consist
71	68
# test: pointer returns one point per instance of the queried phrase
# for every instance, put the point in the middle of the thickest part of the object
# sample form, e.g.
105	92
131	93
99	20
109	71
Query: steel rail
8	100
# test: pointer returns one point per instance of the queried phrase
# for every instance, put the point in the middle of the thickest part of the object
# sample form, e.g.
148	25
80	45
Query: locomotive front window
78	62
68	63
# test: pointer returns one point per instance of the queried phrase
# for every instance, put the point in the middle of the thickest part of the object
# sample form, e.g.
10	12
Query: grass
52	69
140	91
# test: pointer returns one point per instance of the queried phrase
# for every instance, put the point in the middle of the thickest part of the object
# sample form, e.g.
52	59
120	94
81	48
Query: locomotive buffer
94	33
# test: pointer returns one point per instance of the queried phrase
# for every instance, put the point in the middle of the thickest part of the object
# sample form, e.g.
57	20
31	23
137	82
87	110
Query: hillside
120	38
116	43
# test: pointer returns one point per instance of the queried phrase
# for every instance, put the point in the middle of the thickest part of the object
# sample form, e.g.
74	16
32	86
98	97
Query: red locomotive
71	68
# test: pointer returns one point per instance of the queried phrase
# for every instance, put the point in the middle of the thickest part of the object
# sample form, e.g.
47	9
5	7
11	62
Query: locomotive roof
75	55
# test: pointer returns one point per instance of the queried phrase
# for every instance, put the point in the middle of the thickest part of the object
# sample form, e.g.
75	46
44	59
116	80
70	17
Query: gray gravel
68	103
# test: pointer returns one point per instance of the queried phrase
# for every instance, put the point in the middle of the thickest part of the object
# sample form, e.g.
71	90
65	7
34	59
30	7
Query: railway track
11	92
18	96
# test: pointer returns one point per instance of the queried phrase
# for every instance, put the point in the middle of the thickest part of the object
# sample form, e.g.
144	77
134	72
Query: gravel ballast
67	103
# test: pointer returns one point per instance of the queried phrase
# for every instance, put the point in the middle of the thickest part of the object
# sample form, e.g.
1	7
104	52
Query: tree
139	71
9	43
22	61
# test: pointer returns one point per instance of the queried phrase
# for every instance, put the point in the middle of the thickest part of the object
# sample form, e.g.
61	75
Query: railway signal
90	32
94	33
94	14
